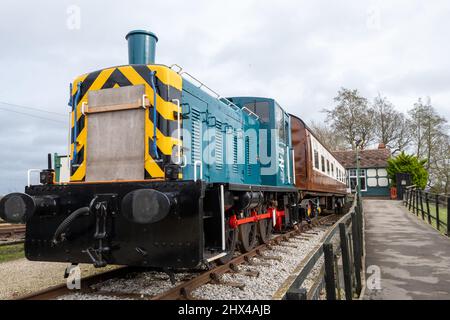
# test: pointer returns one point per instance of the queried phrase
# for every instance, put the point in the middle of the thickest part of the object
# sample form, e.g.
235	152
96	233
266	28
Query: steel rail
61	289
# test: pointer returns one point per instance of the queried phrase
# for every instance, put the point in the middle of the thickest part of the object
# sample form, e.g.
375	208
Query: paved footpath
414	258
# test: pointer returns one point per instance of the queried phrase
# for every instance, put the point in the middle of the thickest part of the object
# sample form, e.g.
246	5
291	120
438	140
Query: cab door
283	146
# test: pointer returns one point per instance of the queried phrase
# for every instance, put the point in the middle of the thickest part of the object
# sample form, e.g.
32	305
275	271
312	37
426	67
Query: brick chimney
381	146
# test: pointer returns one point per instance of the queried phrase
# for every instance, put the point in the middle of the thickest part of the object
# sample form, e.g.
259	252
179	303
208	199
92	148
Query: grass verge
442	216
12	252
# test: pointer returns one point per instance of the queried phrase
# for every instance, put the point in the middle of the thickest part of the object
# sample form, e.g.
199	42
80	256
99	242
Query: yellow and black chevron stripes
168	86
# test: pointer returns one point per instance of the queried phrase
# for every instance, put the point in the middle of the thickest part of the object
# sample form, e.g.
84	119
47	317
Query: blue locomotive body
241	140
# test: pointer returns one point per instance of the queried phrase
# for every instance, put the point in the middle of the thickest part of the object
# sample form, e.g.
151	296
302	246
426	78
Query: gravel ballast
270	278
20	277
273	272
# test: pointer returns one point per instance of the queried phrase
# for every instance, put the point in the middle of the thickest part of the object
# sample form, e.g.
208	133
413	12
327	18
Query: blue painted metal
155	115
217	139
226	141
75	123
141	47
274	169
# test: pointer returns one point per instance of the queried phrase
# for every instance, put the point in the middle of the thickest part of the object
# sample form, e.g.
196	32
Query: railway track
183	290
11	230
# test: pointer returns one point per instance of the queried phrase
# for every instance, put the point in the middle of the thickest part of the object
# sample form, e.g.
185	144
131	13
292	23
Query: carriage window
323	163
328	166
316	159
332	170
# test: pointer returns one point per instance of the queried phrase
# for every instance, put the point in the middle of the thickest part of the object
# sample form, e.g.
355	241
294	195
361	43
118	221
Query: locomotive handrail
176	65
83	105
229	103
181	157
293	165
288	165
69	142
196	164
203	85
222	215
250	112
144	98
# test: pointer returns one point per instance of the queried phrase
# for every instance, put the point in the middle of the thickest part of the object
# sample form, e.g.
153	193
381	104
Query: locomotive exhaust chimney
141	47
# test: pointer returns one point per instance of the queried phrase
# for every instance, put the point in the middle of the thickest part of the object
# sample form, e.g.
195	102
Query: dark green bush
405	163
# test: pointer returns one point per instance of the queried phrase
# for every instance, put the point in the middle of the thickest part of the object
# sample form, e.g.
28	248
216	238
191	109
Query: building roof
371	158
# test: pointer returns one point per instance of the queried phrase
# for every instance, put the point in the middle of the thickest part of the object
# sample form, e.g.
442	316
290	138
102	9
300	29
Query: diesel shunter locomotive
165	172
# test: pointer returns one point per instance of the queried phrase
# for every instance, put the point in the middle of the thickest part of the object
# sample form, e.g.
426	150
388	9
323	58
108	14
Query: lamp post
358	178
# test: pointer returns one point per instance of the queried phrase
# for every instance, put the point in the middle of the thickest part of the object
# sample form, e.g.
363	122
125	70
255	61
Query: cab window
279	122
262	109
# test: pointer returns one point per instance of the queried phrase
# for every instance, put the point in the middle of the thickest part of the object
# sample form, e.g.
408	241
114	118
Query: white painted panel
372	172
64	173
383	182
382	172
372	182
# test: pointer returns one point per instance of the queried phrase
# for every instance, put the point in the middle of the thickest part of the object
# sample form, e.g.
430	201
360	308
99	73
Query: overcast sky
298	52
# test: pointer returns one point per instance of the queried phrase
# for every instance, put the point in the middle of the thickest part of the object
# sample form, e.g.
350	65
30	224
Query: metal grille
196	135
247	156
235	154
219	146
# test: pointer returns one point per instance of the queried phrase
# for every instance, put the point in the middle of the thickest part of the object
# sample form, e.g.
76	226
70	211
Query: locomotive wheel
231	236
264	230
247	236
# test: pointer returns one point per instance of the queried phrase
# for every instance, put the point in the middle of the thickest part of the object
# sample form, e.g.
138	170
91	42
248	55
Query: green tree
405	163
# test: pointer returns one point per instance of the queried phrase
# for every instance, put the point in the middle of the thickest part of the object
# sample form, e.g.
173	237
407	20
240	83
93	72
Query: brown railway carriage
317	172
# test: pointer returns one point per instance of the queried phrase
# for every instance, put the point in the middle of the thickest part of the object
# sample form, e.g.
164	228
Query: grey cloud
299	52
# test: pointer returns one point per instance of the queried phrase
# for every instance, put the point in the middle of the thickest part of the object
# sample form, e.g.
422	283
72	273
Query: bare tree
427	126
391	127
352	118
404	136
440	166
431	142
328	137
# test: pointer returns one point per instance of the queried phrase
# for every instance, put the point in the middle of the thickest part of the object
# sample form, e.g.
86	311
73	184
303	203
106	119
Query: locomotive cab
276	158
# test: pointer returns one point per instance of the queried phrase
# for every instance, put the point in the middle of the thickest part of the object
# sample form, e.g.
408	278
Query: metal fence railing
430	207
334	271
